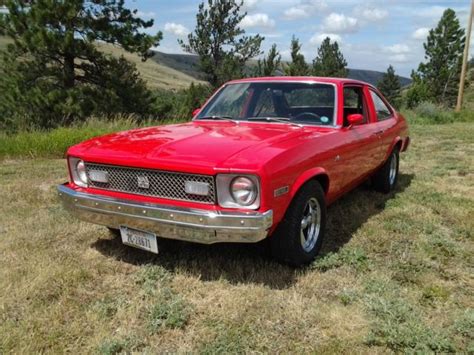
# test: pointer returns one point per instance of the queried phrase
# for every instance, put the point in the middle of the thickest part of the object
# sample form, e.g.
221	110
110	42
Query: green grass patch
400	327
54	143
355	258
169	311
119	346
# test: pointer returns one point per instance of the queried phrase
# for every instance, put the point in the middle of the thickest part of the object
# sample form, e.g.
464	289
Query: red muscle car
261	159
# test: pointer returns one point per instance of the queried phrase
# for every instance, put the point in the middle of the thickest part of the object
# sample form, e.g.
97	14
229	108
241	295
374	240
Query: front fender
308	175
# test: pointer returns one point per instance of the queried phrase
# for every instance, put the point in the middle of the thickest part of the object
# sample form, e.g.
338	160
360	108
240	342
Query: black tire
286	243
383	180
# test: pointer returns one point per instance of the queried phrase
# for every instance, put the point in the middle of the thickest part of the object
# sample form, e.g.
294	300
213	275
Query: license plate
139	239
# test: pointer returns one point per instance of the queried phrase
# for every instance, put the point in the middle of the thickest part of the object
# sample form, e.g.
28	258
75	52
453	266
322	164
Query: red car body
339	157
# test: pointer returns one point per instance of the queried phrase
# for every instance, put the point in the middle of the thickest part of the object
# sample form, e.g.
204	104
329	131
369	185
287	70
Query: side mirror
355	119
196	111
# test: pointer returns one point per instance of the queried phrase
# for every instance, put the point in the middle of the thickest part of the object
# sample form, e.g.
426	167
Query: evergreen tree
53	70
329	61
220	43
390	86
418	91
443	53
297	66
269	65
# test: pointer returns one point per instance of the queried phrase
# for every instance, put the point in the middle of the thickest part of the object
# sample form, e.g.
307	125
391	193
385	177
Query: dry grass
157	76
395	273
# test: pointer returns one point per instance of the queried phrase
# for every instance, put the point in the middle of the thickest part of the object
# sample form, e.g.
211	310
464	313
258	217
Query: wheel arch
317	174
396	143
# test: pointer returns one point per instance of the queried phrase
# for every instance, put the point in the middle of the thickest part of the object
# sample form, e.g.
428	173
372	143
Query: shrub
427	112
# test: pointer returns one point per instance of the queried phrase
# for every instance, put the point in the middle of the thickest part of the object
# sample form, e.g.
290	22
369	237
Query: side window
354	102
382	110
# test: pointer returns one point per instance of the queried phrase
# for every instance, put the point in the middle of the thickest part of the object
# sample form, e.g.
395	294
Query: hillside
158	76
176	71
188	64
373	77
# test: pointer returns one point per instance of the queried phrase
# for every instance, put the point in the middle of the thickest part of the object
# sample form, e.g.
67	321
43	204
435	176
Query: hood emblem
143	182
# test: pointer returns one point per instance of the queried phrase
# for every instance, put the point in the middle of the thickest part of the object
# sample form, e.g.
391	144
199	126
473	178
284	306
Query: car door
384	124
361	142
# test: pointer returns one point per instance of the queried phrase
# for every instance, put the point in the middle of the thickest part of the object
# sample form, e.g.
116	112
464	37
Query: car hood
202	145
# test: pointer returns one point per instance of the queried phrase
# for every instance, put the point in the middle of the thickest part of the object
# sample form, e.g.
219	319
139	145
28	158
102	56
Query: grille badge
143	182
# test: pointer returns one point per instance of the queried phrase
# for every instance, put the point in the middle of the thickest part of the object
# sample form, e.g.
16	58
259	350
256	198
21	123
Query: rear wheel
299	236
386	178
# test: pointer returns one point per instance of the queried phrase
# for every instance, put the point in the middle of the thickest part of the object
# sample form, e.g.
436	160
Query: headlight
238	191
243	190
78	171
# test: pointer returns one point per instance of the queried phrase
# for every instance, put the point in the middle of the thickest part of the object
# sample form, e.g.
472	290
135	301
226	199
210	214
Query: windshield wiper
274	119
223	118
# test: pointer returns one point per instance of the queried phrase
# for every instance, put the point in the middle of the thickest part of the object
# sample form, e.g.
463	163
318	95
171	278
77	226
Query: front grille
162	184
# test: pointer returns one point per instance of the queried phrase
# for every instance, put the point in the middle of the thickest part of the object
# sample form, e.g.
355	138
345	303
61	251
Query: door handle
379	133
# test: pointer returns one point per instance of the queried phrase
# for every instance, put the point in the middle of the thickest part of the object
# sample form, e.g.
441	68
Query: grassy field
396	272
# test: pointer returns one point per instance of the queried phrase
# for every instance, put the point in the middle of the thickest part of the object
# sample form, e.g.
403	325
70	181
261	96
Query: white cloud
146	14
370	13
318	38
432	11
399	58
250	5
176	29
397	49
305	9
257	20
340	23
420	33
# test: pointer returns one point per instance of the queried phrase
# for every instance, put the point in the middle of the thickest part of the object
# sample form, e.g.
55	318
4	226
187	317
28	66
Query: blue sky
372	34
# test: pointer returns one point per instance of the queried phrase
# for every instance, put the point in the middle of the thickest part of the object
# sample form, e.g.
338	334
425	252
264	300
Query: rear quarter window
381	109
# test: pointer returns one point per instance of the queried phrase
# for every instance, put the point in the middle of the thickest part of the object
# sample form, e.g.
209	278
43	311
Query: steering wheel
302	118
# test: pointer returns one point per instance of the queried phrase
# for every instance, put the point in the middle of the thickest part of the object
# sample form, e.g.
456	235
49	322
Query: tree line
53	73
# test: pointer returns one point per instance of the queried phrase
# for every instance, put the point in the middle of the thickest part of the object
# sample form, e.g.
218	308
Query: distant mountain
373	77
188	64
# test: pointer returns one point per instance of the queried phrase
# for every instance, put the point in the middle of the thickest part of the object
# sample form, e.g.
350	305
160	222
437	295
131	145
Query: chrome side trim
195	225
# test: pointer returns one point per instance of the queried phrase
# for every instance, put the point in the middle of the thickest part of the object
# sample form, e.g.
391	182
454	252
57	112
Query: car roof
302	79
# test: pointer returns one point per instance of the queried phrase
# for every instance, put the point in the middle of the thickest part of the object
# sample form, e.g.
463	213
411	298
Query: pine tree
329	61
53	70
389	86
220	43
269	65
297	66
443	53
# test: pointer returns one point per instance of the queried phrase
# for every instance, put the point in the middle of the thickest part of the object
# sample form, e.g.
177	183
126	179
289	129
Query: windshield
303	103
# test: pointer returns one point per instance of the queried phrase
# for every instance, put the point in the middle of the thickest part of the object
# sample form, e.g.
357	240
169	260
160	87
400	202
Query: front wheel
299	236
386	178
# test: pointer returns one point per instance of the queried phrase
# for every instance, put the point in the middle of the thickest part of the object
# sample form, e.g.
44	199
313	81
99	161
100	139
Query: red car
262	158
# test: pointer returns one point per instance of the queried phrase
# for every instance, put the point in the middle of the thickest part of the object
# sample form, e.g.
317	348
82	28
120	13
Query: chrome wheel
310	224
393	169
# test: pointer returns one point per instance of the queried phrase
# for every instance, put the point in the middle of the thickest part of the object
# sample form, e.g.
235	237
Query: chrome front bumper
194	225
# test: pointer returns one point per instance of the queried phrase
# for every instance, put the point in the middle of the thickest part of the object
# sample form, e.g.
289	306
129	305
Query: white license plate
139	239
